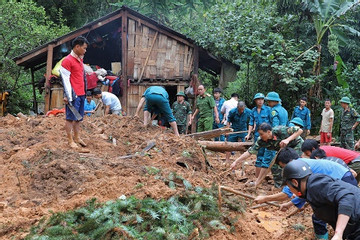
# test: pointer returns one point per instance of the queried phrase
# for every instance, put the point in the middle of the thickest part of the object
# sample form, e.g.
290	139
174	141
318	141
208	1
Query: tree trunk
225	146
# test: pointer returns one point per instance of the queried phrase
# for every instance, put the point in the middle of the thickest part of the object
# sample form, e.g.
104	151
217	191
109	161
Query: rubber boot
72	144
325	236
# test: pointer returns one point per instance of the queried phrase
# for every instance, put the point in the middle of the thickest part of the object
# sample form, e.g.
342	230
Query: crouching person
332	200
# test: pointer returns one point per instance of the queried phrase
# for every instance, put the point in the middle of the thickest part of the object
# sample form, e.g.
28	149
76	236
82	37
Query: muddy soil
40	174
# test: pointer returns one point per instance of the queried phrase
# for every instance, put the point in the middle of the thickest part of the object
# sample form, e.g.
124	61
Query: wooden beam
60	41
196	60
225	146
47	76
148	56
211	133
124	56
34	91
150	25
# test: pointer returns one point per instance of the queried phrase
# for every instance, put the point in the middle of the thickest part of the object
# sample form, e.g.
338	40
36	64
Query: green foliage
24	26
135	218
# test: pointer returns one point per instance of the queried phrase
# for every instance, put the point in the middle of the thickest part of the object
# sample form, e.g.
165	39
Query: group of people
326	177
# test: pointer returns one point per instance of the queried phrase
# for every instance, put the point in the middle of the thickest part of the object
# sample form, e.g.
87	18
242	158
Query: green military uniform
181	111
279	133
348	119
206	106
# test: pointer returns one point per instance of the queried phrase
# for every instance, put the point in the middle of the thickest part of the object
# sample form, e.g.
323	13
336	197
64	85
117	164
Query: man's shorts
264	158
78	104
236	137
324	138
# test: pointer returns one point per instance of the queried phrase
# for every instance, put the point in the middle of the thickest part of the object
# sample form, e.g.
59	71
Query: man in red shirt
351	158
74	82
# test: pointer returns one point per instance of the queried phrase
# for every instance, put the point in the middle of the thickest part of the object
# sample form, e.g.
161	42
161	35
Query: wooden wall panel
168	58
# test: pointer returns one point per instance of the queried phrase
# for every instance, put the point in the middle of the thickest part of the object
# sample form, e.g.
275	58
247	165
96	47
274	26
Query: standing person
260	114
303	113
205	106
182	112
89	105
326	124
229	105
279	117
111	101
219	102
332	200
157	100
238	118
349	121
74	82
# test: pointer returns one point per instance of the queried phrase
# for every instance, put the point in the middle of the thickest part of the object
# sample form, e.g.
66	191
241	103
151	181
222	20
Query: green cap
273	96
181	93
345	100
259	95
298	121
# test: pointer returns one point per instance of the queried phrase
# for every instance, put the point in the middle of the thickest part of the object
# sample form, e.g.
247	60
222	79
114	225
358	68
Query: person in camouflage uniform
205	106
348	122
182	112
273	139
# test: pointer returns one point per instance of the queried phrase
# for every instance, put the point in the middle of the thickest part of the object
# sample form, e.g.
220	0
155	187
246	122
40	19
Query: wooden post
47	76
124	55
196	60
34	91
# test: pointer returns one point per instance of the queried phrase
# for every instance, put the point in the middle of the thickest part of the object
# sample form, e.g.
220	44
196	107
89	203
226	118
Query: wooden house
147	53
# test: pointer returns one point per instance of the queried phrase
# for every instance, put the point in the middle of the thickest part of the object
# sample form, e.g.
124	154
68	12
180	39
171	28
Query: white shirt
227	106
111	100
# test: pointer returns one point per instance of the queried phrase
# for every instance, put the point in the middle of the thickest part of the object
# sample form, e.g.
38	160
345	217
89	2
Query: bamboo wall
163	58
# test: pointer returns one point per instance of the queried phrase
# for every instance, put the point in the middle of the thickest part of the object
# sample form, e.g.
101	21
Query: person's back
327	167
156	90
111	100
345	154
279	116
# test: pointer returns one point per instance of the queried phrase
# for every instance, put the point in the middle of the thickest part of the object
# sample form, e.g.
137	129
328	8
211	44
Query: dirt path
39	173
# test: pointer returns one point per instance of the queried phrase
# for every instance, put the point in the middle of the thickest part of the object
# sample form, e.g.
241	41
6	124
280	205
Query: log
211	133
225	146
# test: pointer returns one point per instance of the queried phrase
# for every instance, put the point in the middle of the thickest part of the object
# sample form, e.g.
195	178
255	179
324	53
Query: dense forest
296	47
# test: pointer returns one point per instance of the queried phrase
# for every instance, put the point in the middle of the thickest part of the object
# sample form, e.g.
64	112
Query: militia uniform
304	115
239	122
206	105
264	156
279	133
279	117
219	105
348	119
181	111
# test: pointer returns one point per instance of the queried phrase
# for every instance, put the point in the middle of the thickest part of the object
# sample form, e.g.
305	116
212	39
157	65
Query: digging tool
230	133
150	145
241	194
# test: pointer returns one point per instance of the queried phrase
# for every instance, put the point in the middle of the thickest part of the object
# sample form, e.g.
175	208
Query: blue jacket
304	114
259	118
239	121
218	106
279	116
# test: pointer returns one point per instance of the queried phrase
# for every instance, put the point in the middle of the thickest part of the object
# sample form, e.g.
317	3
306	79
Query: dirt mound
39	172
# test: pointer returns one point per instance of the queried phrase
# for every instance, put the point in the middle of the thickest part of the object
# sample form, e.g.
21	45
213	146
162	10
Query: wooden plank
179	39
131	47
196	60
226	146
211	133
124	57
148	56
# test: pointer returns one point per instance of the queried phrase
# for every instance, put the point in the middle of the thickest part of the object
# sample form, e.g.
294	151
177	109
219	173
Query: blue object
157	100
257	118
304	115
78	104
279	116
89	106
259	95
239	122
273	96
